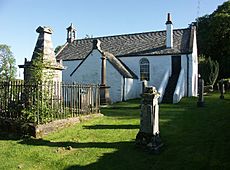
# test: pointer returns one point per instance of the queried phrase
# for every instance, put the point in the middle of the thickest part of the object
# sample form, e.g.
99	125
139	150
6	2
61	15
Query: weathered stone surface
39	131
149	134
44	129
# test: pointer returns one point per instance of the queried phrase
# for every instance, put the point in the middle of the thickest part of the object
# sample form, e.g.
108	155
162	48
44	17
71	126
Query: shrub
209	70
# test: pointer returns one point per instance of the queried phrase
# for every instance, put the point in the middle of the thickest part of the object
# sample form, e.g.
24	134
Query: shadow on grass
9	136
195	138
112	127
42	142
125	156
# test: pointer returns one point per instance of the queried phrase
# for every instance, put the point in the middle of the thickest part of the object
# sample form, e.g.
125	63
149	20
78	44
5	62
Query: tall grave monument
148	136
43	54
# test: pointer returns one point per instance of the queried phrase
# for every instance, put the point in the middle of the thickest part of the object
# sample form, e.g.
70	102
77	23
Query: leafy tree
58	48
7	63
214	37
209	70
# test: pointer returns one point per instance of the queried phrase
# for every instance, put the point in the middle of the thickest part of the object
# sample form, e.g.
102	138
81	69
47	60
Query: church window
144	69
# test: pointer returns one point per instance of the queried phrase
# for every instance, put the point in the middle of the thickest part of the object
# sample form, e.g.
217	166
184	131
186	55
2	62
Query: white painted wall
69	68
180	88
158	66
163	85
90	70
195	67
132	88
114	80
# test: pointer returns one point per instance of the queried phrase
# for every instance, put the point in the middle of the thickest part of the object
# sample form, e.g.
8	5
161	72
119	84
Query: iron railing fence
47	101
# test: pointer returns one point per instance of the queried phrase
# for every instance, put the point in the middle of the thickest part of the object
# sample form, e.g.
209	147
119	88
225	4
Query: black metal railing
47	101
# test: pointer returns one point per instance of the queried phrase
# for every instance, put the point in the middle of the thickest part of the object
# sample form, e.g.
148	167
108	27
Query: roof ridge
144	43
127	34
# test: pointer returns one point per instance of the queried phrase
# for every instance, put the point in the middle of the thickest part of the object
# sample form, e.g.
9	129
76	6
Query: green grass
194	138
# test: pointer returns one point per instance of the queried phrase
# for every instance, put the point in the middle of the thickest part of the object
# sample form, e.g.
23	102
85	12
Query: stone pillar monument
144	85
44	55
149	134
104	90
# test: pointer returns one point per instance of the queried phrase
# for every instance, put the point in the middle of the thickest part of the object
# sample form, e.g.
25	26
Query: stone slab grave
41	130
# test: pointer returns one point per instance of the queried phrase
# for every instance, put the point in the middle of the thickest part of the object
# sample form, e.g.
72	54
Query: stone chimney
169	32
71	31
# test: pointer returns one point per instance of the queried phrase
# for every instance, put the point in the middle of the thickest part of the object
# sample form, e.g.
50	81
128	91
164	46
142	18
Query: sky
20	18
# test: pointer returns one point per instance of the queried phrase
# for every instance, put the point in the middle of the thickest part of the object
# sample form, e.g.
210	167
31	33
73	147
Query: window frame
144	69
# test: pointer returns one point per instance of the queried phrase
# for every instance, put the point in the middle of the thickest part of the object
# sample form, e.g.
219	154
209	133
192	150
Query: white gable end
89	69
69	66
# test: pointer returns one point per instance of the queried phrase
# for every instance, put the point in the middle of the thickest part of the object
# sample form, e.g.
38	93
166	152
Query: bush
209	70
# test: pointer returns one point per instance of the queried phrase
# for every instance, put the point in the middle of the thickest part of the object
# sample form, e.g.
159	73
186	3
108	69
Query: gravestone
148	136
221	87
200	102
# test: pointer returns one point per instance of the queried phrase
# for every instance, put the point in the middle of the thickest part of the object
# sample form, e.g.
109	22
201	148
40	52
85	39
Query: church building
166	59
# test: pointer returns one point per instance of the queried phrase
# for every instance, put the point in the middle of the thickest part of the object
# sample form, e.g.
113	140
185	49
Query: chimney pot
169	19
169	32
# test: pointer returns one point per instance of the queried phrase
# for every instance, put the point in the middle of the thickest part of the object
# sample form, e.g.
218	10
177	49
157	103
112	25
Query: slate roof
147	43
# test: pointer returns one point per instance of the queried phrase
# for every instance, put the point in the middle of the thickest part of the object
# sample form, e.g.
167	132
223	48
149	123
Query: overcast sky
20	18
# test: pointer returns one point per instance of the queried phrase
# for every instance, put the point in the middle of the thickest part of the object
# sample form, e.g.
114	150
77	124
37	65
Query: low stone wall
39	131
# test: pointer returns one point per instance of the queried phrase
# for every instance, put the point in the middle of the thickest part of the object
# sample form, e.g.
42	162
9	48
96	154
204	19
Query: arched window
144	69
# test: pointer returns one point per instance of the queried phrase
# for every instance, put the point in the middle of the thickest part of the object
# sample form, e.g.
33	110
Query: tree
7	63
209	70
58	48
214	37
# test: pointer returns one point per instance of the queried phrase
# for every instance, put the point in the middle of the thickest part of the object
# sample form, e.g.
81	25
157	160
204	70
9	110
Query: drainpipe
187	75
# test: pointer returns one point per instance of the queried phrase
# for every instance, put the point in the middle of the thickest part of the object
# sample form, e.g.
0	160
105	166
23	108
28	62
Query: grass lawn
194	138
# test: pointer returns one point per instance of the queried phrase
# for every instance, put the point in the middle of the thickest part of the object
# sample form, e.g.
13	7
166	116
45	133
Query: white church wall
193	71
158	66
132	88
193	75
184	66
195	67
69	68
163	85
114	80
90	70
180	88
190	66
90	73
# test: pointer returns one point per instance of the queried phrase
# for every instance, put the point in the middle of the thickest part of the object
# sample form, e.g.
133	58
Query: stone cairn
148	136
